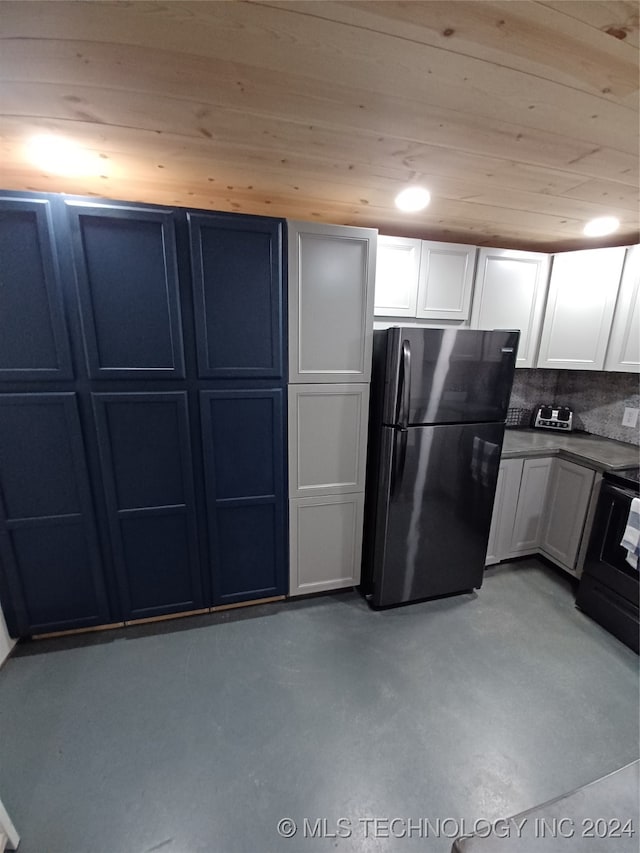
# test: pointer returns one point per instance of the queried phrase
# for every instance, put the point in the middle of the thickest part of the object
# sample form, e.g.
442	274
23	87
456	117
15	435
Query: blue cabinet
145	455
242	435
127	279
53	577
33	335
152	481
236	264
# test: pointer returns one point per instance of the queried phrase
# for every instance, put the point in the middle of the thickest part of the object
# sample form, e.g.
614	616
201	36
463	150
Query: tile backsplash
597	398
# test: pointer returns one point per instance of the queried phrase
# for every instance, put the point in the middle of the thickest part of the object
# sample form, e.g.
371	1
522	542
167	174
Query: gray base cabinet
566	507
541	506
529	518
326	542
327	456
504	510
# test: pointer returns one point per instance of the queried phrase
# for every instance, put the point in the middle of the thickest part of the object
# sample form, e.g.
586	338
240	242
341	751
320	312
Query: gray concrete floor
201	734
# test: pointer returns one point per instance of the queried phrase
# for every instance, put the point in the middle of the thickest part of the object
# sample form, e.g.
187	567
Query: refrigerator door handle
399	459
404	398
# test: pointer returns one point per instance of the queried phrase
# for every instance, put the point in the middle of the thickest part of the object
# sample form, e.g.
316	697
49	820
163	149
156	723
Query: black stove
628	478
609	588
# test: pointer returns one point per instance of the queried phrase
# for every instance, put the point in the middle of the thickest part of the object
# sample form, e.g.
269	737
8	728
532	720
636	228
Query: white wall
6	642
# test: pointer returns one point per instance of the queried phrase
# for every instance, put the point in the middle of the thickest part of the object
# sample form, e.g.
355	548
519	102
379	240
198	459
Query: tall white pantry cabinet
331	291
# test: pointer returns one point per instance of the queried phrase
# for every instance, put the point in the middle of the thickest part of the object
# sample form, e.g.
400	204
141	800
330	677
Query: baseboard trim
165	617
73	631
251	603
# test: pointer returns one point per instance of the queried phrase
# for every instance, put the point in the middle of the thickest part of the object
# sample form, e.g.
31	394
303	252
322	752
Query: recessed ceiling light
601	226
413	199
63	156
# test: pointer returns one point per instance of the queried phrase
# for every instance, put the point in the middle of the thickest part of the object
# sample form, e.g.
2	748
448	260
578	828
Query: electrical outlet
630	417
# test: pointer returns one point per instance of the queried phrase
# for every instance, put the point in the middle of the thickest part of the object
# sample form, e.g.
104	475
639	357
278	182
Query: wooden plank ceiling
521	117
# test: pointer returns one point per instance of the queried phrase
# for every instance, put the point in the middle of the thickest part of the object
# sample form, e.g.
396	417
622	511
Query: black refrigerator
439	400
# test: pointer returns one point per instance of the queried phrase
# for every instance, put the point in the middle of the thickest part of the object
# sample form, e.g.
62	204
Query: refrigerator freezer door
433	512
432	376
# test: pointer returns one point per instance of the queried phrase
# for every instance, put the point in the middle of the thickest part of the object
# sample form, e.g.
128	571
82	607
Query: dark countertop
601	454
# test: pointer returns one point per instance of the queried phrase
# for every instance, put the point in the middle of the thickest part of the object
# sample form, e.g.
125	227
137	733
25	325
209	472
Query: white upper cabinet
446	281
331	289
623	352
582	297
397	270
424	279
509	294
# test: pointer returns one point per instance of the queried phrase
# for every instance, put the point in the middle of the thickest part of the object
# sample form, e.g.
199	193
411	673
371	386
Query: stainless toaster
553	417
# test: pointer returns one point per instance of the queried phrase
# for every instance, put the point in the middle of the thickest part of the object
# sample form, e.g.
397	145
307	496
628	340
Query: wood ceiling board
523	36
283	40
509	234
267	190
619	17
256	96
607	192
213	159
326	138
241	164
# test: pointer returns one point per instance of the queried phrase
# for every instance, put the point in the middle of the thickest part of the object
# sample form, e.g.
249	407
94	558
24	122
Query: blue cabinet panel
53	563
146	434
238	291
49	557
145	455
243	436
126	272
248	552
157	545
33	335
243	443
37	464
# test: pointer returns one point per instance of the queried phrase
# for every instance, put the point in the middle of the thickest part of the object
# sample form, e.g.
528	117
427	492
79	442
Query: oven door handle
616	491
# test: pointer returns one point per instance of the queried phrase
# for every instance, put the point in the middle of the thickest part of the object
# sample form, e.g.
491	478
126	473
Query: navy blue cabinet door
51	572
33	335
244	470
127	279
236	266
145	455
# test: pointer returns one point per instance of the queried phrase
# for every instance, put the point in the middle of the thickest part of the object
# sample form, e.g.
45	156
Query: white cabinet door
504	510
492	551
567	501
529	516
623	352
331	288
397	270
326	542
509	294
446	281
327	438
582	296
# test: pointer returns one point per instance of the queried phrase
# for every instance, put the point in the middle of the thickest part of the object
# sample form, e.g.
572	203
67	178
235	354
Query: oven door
606	558
608	590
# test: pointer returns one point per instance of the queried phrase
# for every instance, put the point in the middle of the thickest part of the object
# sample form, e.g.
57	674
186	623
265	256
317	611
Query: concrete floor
201	734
